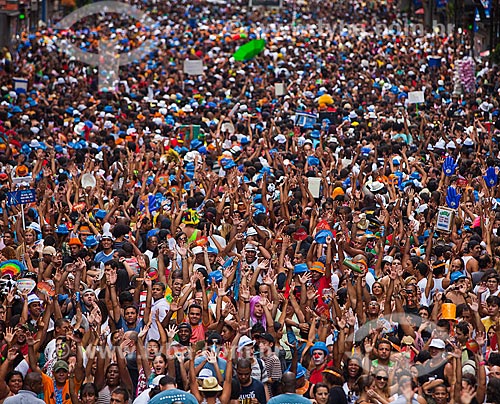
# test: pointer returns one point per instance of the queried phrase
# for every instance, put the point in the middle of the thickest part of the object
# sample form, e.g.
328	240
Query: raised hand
453	198
306	277
467	394
211	357
30	340
171	331
12	354
449	166
111	277
263	265
491	177
481	338
474	305
312	293
245	292
9	335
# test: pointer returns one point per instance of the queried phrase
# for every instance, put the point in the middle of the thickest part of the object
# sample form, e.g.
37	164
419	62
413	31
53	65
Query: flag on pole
477	18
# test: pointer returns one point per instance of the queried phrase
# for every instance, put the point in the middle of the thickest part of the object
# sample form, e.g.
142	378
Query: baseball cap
49	250
60	365
437	343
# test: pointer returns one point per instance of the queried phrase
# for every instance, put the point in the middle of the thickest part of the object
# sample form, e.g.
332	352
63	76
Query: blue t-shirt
254	390
102	257
123	324
291	398
221	362
174	396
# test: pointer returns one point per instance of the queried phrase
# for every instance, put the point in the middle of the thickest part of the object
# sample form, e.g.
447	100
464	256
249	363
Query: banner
265	3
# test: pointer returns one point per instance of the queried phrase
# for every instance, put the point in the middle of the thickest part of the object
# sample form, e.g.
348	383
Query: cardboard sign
305	119
416	97
279	89
193	67
314	185
26	285
265	3
20	85
445	219
21	197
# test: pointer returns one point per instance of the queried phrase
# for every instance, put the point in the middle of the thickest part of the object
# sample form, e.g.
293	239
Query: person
32	386
320	393
334	380
210	391
332	223
119	396
170	394
288	383
251	389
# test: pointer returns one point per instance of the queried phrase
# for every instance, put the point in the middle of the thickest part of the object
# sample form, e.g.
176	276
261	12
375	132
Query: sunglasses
382	378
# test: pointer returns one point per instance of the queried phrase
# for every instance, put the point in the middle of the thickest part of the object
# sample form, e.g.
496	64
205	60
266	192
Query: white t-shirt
143	398
163	306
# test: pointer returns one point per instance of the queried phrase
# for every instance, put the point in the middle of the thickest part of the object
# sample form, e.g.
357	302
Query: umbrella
325	99
249	50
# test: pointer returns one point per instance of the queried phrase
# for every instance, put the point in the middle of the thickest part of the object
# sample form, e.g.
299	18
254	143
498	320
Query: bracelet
9	305
246	301
482	363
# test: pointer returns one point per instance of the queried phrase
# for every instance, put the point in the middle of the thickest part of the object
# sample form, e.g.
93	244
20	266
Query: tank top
104	396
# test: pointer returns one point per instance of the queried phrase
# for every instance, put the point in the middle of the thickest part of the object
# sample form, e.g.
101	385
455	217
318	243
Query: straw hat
210	384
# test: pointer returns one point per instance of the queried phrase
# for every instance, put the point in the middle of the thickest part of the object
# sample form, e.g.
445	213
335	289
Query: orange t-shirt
49	395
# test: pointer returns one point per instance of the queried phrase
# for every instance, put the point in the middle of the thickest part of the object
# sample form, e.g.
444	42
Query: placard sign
444	219
21	197
193	67
265	3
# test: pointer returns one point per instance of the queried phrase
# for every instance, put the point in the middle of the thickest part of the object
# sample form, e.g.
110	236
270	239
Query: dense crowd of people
291	228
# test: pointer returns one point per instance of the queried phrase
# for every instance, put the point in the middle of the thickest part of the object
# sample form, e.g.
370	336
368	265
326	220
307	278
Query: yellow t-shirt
488	322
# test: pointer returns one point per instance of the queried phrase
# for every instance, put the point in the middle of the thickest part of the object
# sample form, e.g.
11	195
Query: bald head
289	382
33	382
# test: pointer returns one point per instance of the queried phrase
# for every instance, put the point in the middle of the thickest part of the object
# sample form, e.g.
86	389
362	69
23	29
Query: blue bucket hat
90	241
300	269
62	229
321	236
319	346
217	275
100	214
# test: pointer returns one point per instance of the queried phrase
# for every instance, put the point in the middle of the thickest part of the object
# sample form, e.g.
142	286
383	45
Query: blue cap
455	276
212	250
90	241
217	275
321	236
100	214
195	144
62	229
301	371
229	164
300	268
313	161
319	346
